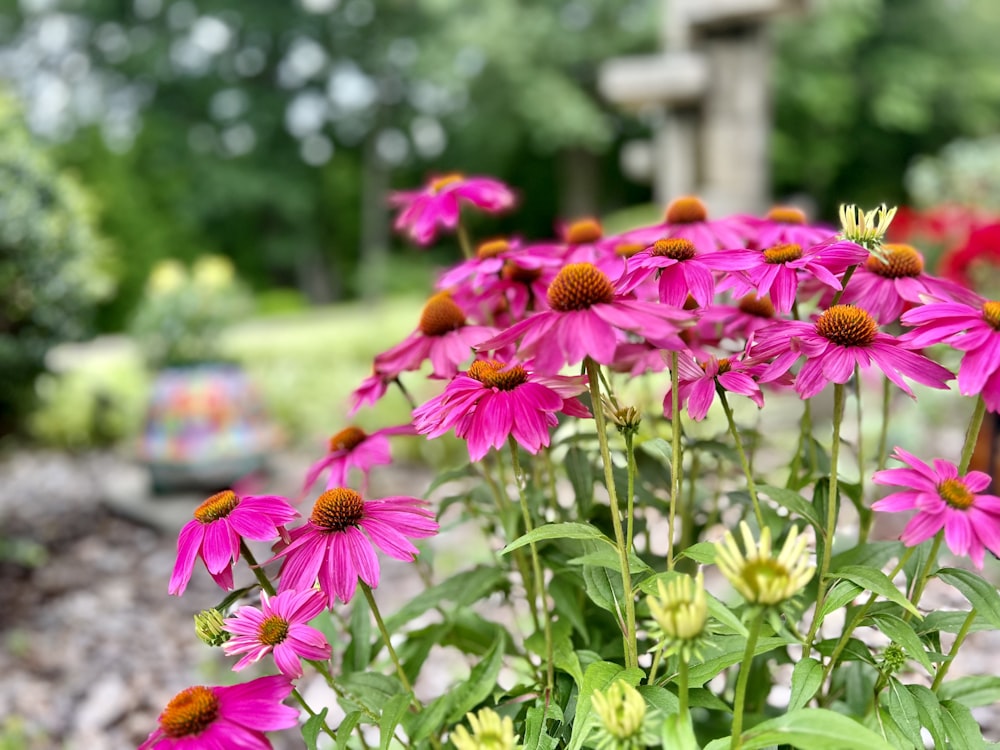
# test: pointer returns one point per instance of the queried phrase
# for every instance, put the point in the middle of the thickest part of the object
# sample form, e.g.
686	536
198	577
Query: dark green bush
53	264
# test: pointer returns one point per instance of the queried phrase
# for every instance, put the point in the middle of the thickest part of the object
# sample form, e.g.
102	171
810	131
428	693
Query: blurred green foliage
183	313
53	264
966	172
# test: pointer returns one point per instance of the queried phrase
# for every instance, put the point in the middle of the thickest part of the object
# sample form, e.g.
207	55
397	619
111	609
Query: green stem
521	481
258	572
959	640
309	710
831	510
655	667
388	642
971	435
734	431
464	241
630	498
843	285
675	456
406	394
628	632
743	679
682	688
921	582
883	438
861	441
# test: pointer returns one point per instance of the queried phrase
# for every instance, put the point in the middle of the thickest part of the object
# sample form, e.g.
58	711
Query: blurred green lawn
305	363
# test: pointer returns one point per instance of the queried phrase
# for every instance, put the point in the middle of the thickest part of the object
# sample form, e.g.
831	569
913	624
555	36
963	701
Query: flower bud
208	624
866	229
489	732
622	711
680	607
756	574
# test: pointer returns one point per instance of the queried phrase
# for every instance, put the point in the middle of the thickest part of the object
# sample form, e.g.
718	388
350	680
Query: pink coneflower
439	204
971	328
219	524
943	500
332	547
442	335
786	225
279	628
777	271
886	289
352	447
370	391
697	382
494	400
214	718
738	321
687	218
585	242
587	318
842	337
680	268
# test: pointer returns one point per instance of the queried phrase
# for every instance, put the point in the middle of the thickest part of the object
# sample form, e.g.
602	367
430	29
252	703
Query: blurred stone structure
707	95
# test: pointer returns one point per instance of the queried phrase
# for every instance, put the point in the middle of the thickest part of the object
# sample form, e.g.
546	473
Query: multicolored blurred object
206	427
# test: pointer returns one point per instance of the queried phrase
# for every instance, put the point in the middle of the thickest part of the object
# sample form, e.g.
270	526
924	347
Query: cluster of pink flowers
726	297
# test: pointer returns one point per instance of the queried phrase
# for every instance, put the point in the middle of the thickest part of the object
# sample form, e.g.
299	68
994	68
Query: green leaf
891	731
902	633
482	680
982	595
461	472
432	718
813	729
794	502
930	713
608	557
346	727
358	655
598	676
841	594
901	704
961	727
564	590
972	691
950	622
312	728
877	582
870	555
563	653
558	531
535	736
391	716
581	476
659	698
604	587
677	733
702	552
702	698
725	615
702	673
368	691
462	588
807	676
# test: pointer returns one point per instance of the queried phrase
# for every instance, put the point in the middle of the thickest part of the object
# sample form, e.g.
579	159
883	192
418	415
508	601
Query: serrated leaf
901	704
902	633
598	676
558	531
793	502
877	582
312	727
807	676
972	691
981	595
482	680
391	716
347	726
813	729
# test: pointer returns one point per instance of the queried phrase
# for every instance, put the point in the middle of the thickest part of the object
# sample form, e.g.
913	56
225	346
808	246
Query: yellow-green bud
866	229
622	711
680	607
489	732
756	574
208	624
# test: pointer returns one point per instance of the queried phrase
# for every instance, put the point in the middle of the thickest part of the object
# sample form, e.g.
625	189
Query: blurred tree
271	131
52	263
862	86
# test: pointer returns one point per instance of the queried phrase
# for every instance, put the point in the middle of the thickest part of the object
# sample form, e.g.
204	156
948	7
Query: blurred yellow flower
680	608
213	271
167	276
759	577
489	732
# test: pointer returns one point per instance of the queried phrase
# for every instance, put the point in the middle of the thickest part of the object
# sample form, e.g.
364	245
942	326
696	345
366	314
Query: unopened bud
208	624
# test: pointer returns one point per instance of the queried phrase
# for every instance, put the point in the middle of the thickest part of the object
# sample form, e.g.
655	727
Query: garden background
269	135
